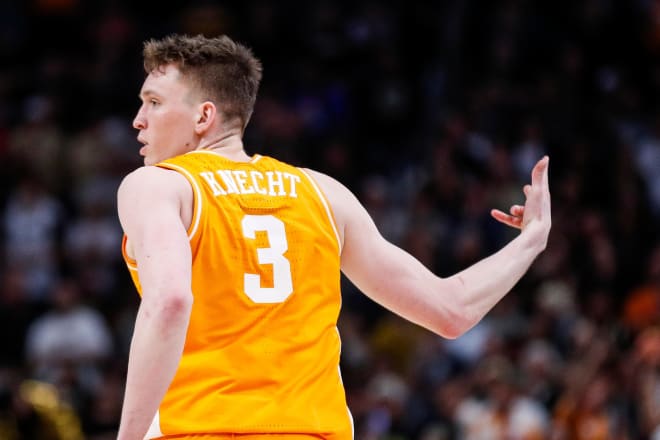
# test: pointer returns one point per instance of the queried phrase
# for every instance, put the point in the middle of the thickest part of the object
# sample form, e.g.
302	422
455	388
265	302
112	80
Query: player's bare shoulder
151	184
343	203
158	181
333	189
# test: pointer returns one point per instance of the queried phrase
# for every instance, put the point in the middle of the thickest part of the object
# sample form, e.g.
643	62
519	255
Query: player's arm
448	306
149	204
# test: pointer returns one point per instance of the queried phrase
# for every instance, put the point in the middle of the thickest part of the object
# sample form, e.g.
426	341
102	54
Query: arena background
432	113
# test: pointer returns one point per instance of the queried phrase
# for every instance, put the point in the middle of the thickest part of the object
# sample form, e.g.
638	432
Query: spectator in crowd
67	345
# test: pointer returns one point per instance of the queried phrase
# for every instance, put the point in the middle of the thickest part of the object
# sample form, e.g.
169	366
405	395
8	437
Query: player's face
166	119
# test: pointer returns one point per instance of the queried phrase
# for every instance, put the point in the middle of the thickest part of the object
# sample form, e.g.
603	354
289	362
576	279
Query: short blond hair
222	70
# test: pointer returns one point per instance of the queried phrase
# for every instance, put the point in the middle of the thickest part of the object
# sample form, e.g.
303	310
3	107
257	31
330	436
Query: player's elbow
455	323
178	302
171	304
455	317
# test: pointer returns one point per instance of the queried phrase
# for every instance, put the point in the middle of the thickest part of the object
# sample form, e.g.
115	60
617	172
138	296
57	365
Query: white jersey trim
130	261
154	429
326	206
341	379
197	215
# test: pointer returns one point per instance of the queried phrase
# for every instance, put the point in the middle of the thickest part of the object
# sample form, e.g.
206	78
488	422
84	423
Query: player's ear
205	116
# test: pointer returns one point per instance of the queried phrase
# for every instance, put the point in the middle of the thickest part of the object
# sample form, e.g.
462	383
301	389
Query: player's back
262	349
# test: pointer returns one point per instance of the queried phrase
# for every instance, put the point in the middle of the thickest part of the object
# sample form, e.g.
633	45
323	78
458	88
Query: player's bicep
149	211
378	268
384	272
366	256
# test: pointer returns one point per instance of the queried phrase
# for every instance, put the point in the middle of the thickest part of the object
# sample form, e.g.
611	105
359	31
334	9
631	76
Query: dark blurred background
432	113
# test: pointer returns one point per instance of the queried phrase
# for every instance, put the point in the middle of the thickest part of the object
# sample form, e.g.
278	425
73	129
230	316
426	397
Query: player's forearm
478	288
156	348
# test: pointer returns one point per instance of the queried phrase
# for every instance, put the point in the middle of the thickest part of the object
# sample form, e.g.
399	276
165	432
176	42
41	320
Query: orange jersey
262	349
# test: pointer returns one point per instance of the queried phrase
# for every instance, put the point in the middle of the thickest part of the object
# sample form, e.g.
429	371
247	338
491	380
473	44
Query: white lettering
229	181
240	177
257	187
272	183
215	186
292	181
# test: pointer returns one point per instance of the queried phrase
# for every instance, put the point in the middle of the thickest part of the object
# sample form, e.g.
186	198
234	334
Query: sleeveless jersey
262	350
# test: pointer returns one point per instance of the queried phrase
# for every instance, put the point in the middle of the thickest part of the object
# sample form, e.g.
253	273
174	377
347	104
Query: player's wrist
535	236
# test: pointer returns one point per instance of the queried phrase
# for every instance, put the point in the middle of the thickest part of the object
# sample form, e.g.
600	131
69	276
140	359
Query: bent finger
509	220
517	210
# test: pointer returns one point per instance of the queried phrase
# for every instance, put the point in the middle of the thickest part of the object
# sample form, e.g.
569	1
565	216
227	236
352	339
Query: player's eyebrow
147	92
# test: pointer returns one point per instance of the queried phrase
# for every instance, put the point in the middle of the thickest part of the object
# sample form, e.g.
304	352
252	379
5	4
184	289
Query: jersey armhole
197	196
326	205
130	261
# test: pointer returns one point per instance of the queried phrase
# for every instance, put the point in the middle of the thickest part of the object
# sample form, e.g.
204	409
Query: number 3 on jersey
282	284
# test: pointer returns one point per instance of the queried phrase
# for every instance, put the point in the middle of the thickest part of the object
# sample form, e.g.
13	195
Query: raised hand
536	210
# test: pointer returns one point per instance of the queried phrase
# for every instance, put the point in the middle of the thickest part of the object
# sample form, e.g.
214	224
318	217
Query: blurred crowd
432	113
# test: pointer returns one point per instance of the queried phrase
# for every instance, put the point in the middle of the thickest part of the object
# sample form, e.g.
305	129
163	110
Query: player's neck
228	144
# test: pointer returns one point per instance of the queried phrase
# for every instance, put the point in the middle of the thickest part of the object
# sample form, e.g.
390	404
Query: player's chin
149	161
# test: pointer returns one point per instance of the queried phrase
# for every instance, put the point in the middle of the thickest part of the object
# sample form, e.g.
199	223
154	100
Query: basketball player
238	258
